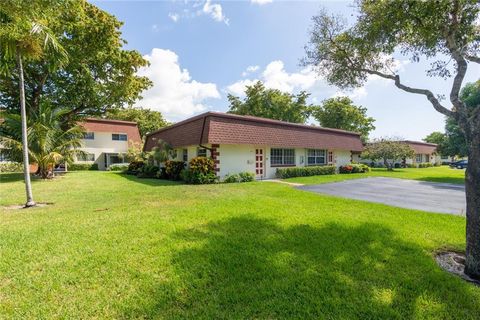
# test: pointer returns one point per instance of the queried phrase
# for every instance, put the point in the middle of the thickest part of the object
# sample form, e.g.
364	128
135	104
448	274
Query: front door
259	167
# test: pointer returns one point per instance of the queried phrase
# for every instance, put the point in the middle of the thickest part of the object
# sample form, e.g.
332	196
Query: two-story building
106	141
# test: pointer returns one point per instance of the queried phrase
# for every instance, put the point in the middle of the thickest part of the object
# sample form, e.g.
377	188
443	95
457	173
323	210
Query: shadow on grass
252	268
149	181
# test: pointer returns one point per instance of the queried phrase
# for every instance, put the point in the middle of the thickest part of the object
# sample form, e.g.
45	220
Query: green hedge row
11	167
82	166
284	173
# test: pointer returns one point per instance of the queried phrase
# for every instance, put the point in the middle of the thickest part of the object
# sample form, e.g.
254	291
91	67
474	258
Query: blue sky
202	50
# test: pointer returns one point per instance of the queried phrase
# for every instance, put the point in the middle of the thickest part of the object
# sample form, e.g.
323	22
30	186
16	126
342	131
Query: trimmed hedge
239	177
82	166
425	165
11	167
118	167
284	173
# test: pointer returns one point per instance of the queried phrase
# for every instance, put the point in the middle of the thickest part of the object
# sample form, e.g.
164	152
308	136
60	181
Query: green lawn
114	246
435	174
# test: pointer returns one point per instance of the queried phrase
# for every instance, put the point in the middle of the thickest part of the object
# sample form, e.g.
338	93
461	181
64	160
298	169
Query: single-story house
258	145
105	141
424	152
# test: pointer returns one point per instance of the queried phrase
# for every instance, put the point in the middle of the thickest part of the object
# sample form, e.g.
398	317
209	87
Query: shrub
345	169
239	177
246	176
11	167
425	165
192	177
173	169
148	171
118	167
82	166
285	173
201	171
354	168
232	178
135	166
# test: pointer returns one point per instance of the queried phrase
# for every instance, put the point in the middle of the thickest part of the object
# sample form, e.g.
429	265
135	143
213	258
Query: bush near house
11	167
201	171
285	173
425	165
148	171
354	168
82	166
173	169
239	177
134	167
118	167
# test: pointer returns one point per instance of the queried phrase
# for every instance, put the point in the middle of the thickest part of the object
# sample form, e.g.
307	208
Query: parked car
462	164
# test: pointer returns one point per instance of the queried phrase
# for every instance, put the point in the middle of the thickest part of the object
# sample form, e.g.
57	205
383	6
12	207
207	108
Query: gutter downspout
201	136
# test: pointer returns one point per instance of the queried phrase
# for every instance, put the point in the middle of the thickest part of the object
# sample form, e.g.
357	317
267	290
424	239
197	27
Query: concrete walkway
410	194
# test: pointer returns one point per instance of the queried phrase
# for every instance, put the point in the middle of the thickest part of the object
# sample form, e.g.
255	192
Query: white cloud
261	2
274	76
174	93
214	10
155	28
250	69
238	88
174	16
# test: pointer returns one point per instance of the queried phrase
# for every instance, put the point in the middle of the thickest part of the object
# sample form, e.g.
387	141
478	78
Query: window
185	155
116	159
330	156
282	157
119	137
89	135
86	157
201	152
418	157
316	156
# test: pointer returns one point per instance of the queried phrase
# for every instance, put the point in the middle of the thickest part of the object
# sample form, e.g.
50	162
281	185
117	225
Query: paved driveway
411	194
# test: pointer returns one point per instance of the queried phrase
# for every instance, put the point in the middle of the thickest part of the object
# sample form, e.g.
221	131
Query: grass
434	174
114	246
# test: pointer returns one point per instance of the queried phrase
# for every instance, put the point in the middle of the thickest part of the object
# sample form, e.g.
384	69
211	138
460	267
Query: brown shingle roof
113	126
422	147
225	128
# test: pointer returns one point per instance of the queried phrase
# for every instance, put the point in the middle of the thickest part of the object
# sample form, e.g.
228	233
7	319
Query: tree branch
430	96
472	58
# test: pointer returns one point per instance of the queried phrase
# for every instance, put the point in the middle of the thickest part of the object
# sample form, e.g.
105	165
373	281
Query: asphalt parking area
410	194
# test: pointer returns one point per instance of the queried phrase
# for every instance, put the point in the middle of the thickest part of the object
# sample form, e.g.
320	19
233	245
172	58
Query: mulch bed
454	262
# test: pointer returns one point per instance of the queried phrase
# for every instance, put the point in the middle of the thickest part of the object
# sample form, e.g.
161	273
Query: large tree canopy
271	103
146	119
99	75
446	31
341	113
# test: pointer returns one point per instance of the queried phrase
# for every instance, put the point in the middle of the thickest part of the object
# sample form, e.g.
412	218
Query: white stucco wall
101	144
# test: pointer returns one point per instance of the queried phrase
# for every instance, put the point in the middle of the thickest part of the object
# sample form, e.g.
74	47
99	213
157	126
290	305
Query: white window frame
319	157
417	156
120	135
279	157
185	155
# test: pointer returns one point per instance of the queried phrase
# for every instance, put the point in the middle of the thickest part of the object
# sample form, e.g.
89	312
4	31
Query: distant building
258	145
424	153
106	141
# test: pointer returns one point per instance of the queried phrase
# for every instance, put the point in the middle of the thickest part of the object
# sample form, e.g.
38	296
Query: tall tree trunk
23	112
472	188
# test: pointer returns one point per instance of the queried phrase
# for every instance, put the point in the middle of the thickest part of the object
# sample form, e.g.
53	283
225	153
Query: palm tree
161	152
50	143
24	37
